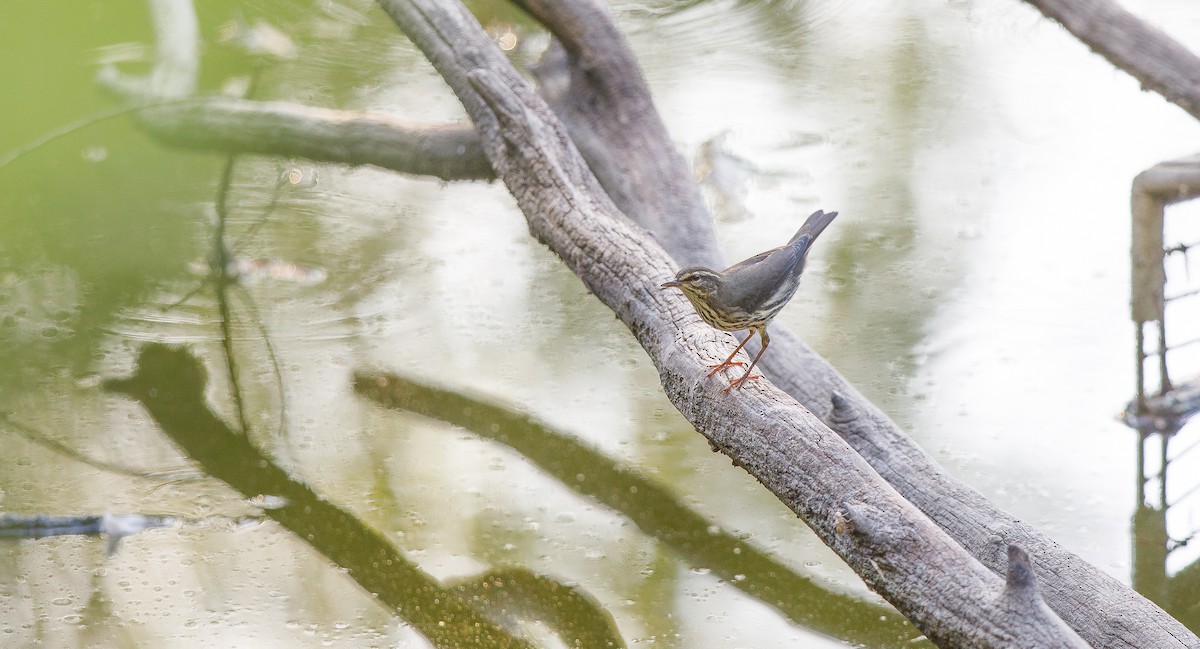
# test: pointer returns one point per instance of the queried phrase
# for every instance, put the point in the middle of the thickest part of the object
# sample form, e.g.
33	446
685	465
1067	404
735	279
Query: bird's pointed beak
671	284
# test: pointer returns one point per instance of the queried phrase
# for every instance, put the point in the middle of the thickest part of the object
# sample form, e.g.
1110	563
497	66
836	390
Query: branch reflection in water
652	508
170	384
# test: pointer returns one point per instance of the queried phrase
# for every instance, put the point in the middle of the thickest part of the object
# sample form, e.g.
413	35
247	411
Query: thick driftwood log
1158	61
1105	611
906	558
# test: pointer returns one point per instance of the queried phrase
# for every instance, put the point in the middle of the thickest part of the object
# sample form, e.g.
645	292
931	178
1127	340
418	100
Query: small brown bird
749	294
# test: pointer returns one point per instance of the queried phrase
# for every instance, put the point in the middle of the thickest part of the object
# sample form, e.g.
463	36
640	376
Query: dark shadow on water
656	511
170	384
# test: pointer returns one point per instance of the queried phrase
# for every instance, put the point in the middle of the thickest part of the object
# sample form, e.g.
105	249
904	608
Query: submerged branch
448	152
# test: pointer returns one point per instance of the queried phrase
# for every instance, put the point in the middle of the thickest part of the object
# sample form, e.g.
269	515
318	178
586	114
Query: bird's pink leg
766	340
729	362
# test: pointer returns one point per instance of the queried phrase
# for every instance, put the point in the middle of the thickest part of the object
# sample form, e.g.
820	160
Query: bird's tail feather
812	228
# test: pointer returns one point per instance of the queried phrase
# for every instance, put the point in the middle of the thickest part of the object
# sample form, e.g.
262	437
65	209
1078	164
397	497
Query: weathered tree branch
449	152
901	554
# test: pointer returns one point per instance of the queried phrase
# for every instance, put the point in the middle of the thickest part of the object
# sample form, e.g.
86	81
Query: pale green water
975	286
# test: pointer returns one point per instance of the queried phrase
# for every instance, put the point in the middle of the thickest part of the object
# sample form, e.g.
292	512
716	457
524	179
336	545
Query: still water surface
975	286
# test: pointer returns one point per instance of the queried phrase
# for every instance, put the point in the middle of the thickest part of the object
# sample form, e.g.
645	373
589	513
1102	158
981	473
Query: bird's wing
771	277
755	281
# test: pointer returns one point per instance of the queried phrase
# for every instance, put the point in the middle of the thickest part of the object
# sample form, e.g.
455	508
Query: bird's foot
721	366
737	383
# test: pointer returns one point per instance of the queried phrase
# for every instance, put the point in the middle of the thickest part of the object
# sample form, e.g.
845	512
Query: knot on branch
857	518
1020	598
1021	579
1001	535
844	411
863	520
